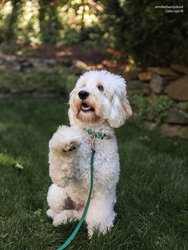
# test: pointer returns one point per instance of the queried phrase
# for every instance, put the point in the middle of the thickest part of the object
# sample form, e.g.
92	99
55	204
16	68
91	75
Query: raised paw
66	139
69	147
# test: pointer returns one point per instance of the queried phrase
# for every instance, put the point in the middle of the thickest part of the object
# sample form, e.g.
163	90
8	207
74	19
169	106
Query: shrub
140	105
149	35
157	110
183	106
154	111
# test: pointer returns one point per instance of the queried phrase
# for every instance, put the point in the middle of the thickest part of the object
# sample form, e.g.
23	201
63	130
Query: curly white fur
105	107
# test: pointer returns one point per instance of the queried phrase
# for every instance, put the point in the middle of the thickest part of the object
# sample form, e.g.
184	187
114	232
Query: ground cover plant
151	194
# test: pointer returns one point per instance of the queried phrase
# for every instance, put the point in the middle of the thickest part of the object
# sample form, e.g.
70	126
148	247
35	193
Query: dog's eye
100	87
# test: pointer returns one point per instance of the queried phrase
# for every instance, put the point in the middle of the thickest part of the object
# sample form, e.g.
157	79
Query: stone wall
25	64
152	83
155	82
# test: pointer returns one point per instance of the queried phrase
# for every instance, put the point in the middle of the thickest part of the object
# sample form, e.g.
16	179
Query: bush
140	105
91	36
183	106
149	35
155	111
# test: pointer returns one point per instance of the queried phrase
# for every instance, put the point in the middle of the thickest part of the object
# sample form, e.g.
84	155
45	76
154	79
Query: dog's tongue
84	105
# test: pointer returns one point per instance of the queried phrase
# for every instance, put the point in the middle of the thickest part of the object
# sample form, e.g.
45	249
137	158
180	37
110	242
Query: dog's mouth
86	107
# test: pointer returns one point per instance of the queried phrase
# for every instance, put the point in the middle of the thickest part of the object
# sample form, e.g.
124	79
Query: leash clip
92	142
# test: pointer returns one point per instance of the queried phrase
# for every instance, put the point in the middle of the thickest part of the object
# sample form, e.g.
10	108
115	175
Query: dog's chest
106	162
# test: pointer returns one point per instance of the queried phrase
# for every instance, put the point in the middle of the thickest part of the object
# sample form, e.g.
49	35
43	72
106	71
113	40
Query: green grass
151	194
55	80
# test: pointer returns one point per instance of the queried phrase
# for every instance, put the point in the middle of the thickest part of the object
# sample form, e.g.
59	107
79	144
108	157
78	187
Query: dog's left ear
120	110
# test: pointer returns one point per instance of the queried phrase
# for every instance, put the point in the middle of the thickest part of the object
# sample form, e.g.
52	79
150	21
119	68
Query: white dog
99	103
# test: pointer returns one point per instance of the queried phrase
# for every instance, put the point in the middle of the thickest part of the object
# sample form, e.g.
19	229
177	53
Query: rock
81	65
132	74
136	86
153	97
145	76
175	130
176	116
162	71
98	66
1	61
14	65
157	84
180	68
9	58
26	66
178	89
38	64
76	71
150	125
50	62
67	62
21	59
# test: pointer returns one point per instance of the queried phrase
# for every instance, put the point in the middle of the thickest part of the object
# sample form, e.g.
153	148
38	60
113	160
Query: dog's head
99	96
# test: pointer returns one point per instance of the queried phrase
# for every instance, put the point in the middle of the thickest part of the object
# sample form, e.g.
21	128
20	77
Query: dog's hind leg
65	216
61	207
56	199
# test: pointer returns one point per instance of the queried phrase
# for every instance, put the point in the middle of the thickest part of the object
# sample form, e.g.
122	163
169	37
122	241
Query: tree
50	24
149	35
11	31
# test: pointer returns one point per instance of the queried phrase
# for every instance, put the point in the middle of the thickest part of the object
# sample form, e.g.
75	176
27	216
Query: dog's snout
83	94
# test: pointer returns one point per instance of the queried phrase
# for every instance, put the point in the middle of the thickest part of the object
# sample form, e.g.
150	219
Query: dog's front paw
69	147
66	139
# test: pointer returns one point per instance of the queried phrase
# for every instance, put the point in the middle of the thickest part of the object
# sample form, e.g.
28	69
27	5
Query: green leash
93	136
74	233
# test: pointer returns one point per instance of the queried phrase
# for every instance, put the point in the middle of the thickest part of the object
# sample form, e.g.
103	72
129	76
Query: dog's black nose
83	94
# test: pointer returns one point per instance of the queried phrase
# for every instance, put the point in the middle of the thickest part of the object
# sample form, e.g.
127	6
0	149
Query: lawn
152	193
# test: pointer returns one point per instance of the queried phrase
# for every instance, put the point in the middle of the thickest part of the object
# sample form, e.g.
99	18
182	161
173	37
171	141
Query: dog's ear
120	110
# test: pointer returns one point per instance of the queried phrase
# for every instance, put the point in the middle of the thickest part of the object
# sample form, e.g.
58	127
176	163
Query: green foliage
81	22
148	34
92	36
139	29
151	194
60	80
11	27
140	105
29	34
50	24
183	106
155	110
